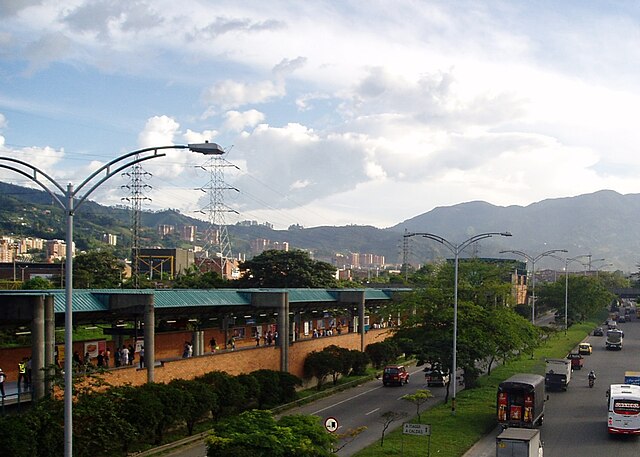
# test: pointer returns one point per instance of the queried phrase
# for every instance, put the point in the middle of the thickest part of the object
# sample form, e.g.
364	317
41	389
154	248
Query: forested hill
603	224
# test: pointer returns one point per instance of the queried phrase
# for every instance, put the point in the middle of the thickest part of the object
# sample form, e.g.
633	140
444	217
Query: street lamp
566	284
456	249
533	273
69	205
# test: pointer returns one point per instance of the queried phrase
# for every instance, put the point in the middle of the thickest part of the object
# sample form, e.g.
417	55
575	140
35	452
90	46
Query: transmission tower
405	255
216	237
137	189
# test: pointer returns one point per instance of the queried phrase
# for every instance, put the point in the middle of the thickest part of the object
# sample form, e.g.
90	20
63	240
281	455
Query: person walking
124	356
22	373
213	344
141	356
107	357
3	378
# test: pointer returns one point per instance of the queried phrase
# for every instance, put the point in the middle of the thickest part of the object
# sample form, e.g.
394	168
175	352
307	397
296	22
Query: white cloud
158	131
237	121
328	107
232	94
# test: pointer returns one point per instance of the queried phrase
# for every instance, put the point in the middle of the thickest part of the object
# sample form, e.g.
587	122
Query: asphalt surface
576	420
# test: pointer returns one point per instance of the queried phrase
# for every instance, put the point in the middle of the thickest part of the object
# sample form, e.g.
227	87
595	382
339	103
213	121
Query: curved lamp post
533	273
69	204
456	249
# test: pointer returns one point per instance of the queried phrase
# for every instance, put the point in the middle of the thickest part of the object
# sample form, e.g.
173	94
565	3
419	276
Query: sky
331	113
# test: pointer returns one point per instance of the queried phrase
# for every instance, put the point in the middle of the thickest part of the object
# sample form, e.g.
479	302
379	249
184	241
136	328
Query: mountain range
600	225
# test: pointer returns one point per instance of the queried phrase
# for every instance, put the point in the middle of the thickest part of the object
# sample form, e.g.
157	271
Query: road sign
331	424
417	429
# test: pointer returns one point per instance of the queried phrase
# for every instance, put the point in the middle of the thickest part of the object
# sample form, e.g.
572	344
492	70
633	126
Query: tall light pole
533	273
456	249
69	205
566	285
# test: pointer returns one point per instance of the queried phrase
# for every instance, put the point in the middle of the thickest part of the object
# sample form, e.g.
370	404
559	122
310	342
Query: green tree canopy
487	327
193	278
37	283
286	269
586	295
257	434
97	270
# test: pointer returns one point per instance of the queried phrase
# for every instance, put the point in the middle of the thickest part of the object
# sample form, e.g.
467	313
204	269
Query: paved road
360	406
576	420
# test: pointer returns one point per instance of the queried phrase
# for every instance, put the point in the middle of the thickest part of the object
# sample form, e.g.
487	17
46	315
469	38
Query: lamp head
206	148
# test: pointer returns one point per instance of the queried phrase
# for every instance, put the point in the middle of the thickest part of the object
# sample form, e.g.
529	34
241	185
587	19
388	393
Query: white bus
624	409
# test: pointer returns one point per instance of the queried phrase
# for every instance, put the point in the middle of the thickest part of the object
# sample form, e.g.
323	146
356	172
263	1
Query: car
622	319
577	361
598	331
395	374
435	377
585	349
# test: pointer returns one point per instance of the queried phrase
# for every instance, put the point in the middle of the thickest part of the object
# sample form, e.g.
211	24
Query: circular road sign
331	424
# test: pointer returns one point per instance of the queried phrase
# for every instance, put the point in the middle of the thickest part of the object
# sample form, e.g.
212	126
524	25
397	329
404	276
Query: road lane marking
371	412
345	400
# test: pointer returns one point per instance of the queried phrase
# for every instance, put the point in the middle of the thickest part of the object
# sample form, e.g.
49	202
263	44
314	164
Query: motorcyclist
592	377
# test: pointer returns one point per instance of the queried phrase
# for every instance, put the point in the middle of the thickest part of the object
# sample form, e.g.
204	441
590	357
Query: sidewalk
14	395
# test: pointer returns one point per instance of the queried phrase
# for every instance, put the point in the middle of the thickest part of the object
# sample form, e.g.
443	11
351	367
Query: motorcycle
591	382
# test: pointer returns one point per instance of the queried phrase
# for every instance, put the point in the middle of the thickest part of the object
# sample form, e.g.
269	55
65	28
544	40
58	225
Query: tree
232	394
257	434
193	278
37	283
97	270
286	269
318	364
387	419
586	295
483	291
419	398
199	399
382	353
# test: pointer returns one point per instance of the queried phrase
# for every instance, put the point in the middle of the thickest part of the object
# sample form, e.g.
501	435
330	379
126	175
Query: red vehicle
577	361
395	374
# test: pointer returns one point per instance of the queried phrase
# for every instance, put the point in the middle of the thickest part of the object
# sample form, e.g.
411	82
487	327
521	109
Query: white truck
519	442
558	374
614	339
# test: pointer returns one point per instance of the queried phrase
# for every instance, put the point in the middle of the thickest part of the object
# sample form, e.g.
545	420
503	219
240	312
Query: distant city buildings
56	250
254	224
14	249
110	239
260	245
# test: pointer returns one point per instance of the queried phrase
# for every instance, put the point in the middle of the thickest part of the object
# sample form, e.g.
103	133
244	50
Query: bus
614	339
624	409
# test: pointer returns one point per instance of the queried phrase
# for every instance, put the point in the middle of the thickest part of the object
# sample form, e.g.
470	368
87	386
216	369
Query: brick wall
245	359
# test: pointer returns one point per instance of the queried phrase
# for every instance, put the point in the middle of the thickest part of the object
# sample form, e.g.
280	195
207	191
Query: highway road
364	405
576	420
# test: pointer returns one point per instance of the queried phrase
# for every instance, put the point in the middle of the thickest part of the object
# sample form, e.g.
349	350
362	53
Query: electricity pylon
216	237
137	189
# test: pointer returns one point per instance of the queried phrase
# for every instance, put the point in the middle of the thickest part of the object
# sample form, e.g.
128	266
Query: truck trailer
519	442
632	378
521	401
